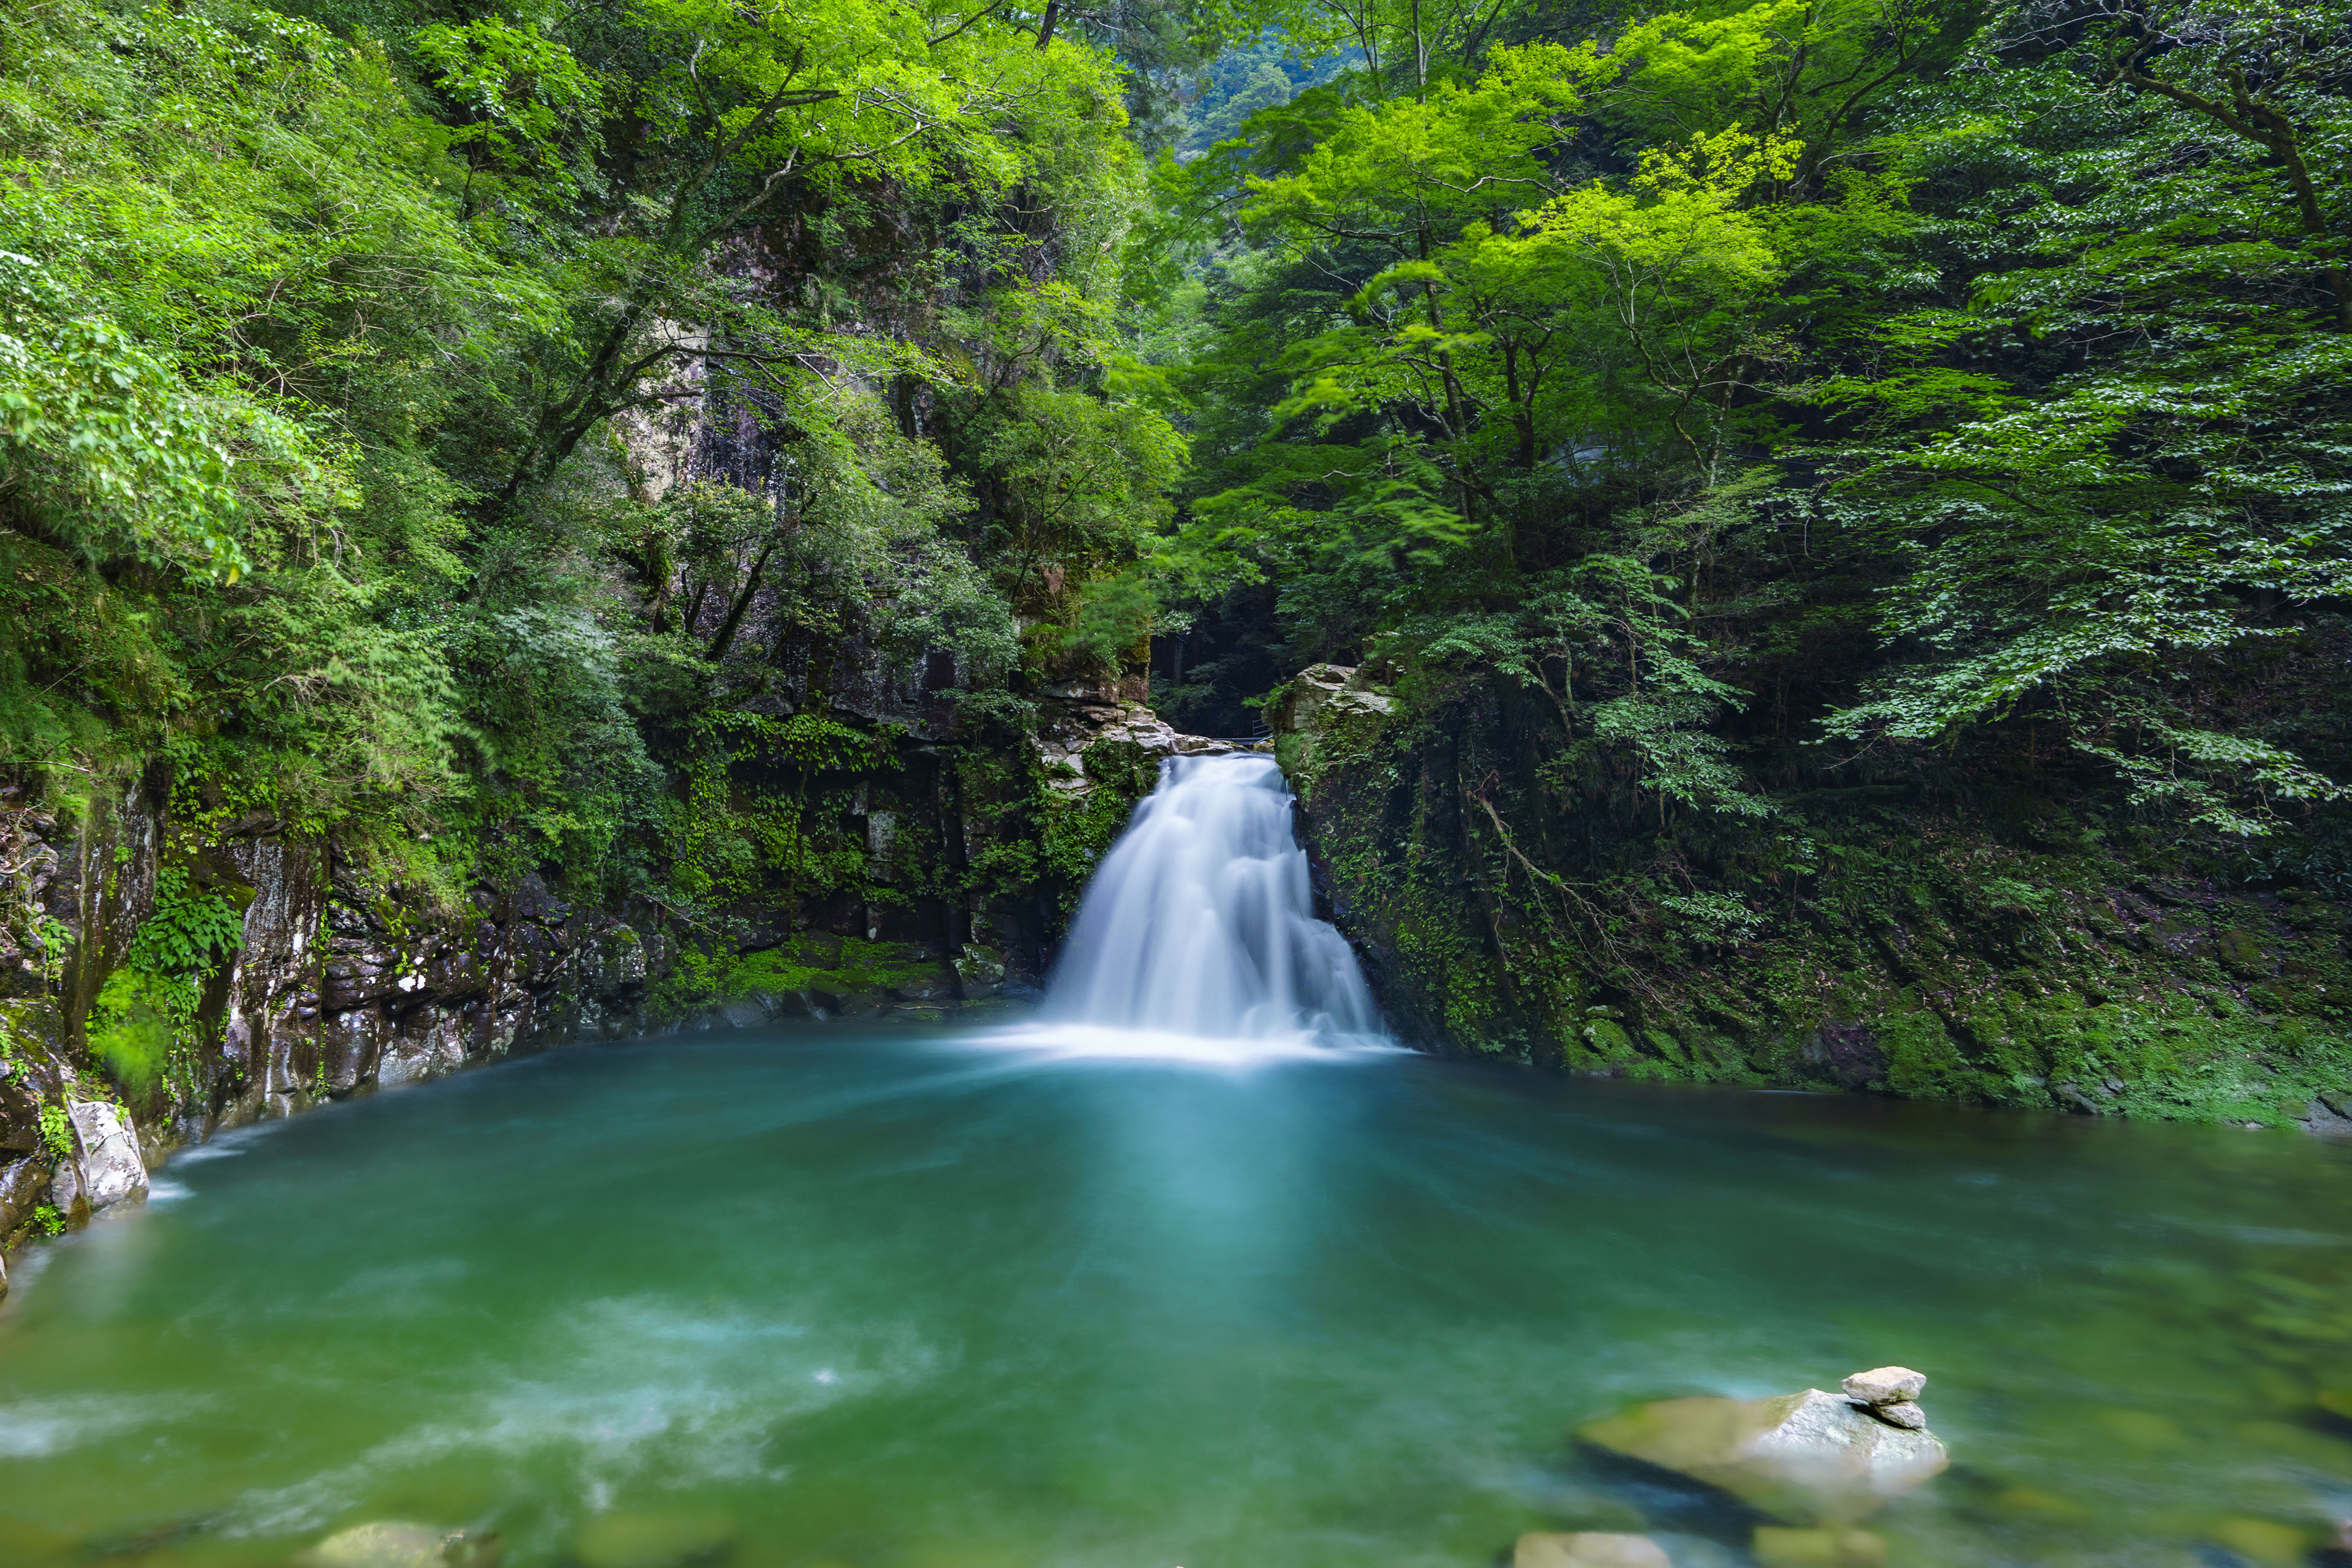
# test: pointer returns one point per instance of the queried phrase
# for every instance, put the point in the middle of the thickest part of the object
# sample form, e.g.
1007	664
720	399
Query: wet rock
980	971
1800	1459
652	1541
1589	1549
2326	1116
396	1544
797	1003
932	989
742	1015
24	1186
620	961
111	1170
428	1045
1782	1548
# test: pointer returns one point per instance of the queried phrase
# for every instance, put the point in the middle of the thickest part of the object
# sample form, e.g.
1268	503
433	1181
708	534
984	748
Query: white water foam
1197	939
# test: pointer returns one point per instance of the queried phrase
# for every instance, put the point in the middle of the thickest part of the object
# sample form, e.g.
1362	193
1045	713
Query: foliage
57	1132
644	446
472	438
145	1023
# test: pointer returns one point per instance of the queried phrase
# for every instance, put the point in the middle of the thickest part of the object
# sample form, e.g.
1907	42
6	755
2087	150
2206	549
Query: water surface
911	1302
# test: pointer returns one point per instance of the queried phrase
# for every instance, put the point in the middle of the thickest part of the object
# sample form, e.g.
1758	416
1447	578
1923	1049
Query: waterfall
1199	923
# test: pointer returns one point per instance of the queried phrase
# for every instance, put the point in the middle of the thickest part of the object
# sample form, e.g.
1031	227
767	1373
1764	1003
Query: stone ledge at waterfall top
1086	714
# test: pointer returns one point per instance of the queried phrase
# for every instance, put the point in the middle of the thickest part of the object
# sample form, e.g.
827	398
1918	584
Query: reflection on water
919	1302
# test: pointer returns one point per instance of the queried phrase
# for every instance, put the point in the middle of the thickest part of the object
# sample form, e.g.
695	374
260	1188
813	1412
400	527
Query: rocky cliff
342	983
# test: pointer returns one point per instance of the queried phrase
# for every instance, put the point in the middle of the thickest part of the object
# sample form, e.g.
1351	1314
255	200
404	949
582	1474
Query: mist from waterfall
1199	924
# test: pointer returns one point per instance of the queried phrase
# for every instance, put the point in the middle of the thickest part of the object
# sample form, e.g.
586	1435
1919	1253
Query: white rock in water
1800	1458
395	1543
111	1170
1589	1549
1885	1386
1903	1414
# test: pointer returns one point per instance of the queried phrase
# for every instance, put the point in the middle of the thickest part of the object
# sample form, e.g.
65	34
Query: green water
898	1301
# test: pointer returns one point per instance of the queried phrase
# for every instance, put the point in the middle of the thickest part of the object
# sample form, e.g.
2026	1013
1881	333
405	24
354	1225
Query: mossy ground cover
809	962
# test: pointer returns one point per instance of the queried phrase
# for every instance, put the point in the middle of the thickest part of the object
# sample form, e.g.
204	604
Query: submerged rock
652	1541
2264	1540
1779	1548
398	1543
1589	1549
1802	1458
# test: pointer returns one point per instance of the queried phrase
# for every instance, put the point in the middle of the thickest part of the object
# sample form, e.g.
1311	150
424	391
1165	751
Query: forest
1844	505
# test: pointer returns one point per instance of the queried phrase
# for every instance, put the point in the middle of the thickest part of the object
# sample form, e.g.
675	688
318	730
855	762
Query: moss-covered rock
2049	956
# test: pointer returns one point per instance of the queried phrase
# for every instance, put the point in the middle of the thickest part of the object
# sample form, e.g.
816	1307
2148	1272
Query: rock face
345	980
1802	1458
1589	1549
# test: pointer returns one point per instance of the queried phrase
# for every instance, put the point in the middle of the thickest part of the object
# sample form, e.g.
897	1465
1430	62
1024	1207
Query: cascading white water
1200	922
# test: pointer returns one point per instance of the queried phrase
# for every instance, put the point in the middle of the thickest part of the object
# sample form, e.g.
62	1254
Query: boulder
1323	694
1295	705
1589	1549
111	1170
1800	1459
980	971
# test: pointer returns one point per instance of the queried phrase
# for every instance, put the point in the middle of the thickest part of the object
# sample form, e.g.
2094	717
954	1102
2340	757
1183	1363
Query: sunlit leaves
1409	172
867	89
